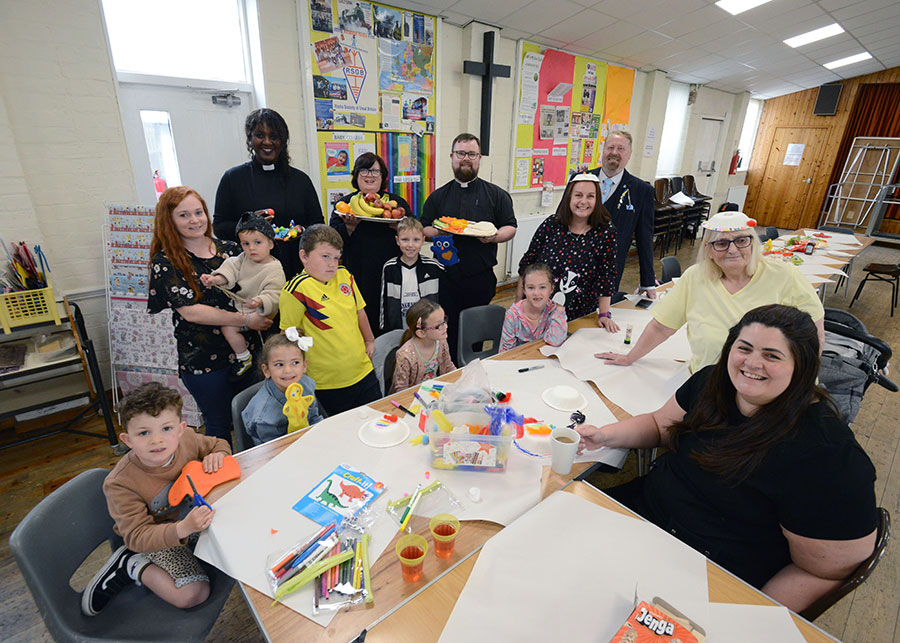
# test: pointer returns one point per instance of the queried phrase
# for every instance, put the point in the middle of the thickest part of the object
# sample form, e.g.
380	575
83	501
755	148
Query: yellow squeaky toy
296	407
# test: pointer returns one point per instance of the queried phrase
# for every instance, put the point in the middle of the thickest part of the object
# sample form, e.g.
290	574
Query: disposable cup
444	529
411	550
564	445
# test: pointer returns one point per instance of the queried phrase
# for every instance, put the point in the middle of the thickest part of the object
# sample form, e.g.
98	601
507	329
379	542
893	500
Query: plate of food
465	227
372	207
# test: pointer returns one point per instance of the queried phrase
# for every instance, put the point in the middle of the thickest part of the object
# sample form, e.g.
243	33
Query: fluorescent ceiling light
734	7
814	35
849	60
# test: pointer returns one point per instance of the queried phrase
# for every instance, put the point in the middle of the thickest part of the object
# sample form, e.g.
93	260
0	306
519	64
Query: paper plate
374	219
488	230
563	398
373	434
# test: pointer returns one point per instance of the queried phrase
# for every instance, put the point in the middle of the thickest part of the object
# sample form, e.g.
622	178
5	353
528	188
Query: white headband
303	342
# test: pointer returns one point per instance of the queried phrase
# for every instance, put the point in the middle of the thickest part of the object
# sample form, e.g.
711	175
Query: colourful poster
405	67
337	158
619	87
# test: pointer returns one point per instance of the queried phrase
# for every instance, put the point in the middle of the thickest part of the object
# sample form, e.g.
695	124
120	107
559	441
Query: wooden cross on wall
488	70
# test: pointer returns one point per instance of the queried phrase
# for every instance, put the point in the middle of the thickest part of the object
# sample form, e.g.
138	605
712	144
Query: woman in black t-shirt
268	181
182	249
761	475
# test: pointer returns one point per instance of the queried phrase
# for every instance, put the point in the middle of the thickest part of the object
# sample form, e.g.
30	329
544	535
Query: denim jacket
264	417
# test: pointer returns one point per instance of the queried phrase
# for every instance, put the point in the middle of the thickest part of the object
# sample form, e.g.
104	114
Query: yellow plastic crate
27	307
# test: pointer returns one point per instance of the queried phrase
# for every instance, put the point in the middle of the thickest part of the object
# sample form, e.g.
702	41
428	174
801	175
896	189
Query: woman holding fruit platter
361	219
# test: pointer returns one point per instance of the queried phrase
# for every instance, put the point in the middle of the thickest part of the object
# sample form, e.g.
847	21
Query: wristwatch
608	315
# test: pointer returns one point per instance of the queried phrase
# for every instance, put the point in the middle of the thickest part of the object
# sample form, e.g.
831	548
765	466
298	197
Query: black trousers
338	400
459	292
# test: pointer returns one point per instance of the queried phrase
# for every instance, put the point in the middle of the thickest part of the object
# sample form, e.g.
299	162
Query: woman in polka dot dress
579	244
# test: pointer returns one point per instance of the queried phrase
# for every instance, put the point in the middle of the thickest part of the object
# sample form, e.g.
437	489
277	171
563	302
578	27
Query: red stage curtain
875	113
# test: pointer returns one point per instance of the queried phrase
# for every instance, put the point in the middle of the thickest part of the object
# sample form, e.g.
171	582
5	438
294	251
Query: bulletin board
374	87
566	106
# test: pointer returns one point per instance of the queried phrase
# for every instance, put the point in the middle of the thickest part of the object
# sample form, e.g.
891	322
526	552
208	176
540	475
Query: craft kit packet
340	494
658	622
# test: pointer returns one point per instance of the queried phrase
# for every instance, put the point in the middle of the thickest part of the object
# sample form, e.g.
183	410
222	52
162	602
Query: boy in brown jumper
159	539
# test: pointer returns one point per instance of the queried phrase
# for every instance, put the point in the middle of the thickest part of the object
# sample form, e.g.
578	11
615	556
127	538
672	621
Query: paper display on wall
358	70
794	153
528	91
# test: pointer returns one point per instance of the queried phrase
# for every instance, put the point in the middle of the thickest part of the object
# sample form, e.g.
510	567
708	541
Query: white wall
62	141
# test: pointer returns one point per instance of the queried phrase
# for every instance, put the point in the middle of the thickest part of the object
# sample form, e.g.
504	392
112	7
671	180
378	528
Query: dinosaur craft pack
341	494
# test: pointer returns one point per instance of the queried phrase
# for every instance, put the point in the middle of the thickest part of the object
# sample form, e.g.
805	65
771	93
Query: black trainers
109	581
239	368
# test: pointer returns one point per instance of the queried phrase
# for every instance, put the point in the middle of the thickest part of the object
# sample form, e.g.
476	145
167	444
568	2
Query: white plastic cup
564	445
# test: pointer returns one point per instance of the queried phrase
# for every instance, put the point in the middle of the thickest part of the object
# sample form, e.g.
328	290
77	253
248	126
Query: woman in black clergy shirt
368	244
761	475
268	181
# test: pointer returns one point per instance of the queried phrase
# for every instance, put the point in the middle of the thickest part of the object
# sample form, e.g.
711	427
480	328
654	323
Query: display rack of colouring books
141	346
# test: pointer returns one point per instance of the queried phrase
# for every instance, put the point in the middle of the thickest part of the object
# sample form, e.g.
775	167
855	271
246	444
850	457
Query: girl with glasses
368	244
424	352
731	277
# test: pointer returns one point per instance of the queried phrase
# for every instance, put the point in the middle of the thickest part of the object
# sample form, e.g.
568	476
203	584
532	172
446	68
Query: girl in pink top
536	316
424	352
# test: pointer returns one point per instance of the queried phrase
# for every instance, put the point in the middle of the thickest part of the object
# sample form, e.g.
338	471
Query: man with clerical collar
470	281
630	203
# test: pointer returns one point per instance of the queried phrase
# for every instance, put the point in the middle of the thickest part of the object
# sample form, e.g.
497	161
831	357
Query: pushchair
851	361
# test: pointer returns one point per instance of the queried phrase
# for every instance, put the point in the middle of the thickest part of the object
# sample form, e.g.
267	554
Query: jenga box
658	622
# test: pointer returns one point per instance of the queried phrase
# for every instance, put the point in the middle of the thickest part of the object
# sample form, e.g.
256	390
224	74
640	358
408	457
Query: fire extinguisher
735	161
159	183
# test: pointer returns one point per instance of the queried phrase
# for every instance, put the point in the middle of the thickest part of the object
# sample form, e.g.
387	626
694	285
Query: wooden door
792	167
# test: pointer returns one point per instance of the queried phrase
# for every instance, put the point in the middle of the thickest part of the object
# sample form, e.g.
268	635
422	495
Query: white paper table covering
812	269
526	389
836	237
568	570
733	623
640	388
240	537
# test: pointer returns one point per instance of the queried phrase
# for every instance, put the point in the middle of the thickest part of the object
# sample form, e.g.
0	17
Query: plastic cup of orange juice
444	529
411	550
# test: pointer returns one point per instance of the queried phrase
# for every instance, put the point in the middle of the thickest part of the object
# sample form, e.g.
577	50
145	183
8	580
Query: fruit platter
465	227
372	207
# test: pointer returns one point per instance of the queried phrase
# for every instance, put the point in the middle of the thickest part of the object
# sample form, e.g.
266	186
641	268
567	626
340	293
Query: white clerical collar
464	185
268	168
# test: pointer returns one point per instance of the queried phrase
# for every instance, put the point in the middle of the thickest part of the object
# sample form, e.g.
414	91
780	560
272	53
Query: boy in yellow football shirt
324	303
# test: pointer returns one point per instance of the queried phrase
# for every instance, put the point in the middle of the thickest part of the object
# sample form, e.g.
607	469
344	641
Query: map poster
360	74
405	67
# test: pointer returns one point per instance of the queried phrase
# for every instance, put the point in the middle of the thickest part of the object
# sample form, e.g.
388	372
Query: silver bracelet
246	326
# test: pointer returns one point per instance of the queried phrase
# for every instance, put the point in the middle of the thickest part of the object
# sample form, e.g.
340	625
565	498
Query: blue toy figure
444	250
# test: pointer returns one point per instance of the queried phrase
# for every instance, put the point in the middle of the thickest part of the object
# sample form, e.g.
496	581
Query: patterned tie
606	188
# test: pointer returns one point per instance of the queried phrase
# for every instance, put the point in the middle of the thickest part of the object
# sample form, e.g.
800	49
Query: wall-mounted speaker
827	100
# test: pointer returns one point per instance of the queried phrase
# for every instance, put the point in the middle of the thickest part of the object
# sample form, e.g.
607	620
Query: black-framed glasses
370	172
460	154
721	245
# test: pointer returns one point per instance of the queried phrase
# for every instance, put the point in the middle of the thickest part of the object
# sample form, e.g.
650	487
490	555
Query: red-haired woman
182	249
